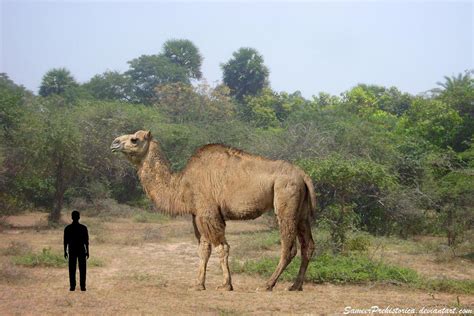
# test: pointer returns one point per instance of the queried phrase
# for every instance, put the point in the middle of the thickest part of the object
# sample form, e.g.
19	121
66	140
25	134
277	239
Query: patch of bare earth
150	266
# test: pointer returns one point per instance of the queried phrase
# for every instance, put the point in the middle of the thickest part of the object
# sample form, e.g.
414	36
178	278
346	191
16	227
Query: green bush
46	258
358	243
449	285
335	269
353	269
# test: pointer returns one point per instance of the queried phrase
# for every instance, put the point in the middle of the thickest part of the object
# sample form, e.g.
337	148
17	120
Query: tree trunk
60	189
450	228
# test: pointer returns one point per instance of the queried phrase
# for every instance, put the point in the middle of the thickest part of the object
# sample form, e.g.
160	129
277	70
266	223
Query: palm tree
56	81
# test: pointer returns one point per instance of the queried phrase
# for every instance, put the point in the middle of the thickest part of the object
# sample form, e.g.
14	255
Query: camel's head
133	146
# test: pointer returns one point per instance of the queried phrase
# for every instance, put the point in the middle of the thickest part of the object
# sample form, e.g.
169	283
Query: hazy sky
308	46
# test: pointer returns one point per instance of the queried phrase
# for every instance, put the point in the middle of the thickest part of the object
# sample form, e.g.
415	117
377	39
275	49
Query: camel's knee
223	250
204	249
311	248
289	253
293	251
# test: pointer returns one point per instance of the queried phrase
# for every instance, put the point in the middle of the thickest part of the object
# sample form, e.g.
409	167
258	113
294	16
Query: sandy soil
150	266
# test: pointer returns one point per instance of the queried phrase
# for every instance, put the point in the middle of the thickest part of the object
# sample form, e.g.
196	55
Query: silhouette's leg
307	249
223	251
72	271
204	251
82	271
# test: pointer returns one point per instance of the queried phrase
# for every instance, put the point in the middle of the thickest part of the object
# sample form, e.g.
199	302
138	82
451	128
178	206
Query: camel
222	183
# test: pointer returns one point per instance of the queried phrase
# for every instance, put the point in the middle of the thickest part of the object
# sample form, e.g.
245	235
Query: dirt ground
148	268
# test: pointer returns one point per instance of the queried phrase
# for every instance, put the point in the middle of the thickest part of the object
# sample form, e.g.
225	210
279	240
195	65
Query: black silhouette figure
76	247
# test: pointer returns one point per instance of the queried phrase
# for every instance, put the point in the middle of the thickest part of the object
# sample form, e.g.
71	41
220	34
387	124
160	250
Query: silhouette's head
133	146
75	215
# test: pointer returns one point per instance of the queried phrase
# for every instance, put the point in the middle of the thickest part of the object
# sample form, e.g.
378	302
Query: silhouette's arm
65	243
86	242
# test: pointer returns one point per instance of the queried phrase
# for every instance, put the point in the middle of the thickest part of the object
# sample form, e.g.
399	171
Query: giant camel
221	183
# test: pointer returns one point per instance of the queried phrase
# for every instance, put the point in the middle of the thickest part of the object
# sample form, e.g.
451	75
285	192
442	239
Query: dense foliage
382	160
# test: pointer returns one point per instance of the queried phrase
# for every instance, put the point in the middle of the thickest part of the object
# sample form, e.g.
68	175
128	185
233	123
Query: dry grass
10	273
150	266
147	279
16	248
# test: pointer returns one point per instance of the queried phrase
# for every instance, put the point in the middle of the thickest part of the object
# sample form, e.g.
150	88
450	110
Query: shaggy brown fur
221	183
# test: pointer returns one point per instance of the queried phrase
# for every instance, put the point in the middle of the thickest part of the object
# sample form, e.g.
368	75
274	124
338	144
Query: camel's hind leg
307	249
288	252
287	203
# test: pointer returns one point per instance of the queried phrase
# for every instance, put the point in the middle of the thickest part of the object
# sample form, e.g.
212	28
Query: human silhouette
76	247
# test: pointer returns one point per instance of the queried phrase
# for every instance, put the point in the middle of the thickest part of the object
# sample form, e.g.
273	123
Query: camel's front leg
196	230
204	251
223	251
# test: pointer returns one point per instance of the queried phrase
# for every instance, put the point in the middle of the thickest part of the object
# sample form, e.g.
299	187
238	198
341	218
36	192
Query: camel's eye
134	140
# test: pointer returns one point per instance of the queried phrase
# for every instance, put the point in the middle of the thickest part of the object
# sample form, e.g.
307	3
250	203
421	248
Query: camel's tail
312	196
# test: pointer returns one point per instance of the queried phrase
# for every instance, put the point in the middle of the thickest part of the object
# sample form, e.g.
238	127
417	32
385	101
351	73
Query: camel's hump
218	148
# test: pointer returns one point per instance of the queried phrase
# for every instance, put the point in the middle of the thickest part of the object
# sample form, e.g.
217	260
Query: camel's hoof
225	287
295	288
197	287
265	289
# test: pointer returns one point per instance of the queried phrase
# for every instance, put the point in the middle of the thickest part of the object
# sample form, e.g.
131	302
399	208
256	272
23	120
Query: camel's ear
148	135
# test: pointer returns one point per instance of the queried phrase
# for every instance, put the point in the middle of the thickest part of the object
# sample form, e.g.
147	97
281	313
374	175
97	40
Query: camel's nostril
116	142
115	145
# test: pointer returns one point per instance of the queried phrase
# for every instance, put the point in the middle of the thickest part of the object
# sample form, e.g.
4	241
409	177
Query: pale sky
308	46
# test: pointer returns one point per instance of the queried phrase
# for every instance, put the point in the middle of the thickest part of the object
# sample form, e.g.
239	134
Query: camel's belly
242	214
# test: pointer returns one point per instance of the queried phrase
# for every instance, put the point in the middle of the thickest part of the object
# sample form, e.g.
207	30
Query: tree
149	71
432	120
185	103
245	74
350	194
111	85
47	154
57	81
450	186
12	97
270	109
324	99
12	108
185	54
363	98
458	92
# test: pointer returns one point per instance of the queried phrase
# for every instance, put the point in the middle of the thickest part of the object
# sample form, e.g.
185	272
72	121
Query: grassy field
145	263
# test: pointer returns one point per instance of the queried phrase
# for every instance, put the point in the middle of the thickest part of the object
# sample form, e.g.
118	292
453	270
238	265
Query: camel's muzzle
116	145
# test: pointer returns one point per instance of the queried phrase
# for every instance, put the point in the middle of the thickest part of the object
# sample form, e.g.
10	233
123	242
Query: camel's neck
160	184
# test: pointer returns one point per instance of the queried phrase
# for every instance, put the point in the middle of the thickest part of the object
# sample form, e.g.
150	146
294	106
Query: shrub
449	285
48	258
337	269
358	243
354	269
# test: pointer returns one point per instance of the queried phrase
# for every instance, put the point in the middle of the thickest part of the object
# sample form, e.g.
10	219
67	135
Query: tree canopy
245	73
57	81
186	54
